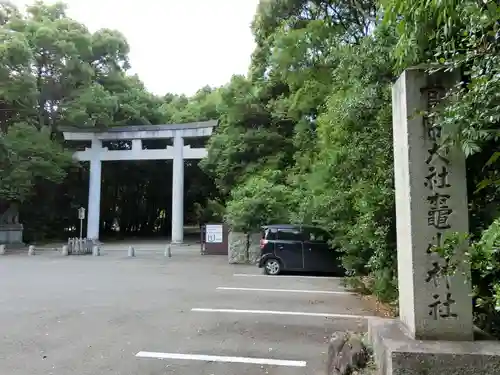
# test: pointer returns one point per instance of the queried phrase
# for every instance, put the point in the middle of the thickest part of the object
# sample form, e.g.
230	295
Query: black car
297	248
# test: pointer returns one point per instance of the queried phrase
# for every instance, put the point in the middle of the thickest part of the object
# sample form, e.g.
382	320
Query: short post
131	251
31	250
65	250
168	251
2	249
81	217
96	251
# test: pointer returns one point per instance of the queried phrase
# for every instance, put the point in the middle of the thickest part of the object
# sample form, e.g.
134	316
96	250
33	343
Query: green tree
259	201
28	156
248	138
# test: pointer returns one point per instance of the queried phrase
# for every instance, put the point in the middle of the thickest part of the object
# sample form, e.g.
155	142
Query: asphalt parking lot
154	315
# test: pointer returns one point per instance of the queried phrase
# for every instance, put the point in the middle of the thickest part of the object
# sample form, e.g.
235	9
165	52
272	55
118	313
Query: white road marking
217	358
285	290
296	313
295	276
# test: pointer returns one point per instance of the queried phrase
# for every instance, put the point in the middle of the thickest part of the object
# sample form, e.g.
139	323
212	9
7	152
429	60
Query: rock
254	248
237	251
345	354
335	345
243	250
359	354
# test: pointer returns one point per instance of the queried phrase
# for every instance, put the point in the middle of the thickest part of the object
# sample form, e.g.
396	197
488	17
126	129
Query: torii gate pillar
94	205
178	191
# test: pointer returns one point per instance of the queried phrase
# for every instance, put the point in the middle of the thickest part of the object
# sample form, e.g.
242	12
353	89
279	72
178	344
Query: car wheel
272	267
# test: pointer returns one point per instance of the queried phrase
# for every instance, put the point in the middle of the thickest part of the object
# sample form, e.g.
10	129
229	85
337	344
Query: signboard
214	239
81	213
213	233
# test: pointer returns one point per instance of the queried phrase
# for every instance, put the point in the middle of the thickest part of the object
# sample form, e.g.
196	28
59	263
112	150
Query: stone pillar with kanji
431	203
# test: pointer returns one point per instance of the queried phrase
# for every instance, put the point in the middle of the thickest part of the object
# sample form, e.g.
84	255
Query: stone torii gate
96	154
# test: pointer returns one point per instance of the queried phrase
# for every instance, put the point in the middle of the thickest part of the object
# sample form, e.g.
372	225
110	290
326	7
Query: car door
288	248
318	256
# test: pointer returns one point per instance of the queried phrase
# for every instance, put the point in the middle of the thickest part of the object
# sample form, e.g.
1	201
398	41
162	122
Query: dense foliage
305	137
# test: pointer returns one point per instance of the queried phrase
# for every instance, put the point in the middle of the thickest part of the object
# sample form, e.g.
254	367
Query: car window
269	234
289	235
316	235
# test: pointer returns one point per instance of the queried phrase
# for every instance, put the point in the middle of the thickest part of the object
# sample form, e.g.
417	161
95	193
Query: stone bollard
131	251
88	246
31	250
168	251
2	249
65	250
96	251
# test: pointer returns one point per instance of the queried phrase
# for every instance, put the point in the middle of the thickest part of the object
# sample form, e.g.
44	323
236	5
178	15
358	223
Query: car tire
272	267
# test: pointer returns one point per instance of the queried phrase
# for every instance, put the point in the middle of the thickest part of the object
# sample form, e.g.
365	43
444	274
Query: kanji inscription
437	178
439	209
442	309
433	274
437	240
435	155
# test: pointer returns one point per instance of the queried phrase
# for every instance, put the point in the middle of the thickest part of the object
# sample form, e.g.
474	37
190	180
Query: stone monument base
396	353
11	234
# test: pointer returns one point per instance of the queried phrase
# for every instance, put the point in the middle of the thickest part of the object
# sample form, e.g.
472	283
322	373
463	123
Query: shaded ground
91	315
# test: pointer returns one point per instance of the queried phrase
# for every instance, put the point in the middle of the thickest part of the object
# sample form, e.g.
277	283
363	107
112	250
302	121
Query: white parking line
286	290
295	276
217	358
296	313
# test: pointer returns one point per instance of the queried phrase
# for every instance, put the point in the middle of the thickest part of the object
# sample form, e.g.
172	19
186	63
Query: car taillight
263	243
